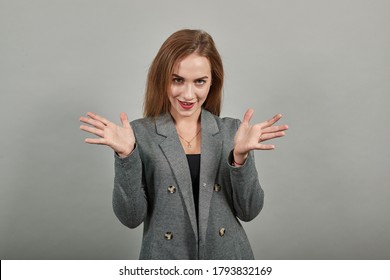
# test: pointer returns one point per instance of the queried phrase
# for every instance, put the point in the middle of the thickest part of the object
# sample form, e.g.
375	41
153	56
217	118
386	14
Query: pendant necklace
189	142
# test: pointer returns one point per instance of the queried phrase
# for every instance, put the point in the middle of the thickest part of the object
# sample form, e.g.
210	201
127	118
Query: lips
186	105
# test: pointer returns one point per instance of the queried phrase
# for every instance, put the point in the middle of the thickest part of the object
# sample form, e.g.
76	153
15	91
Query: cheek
173	92
203	93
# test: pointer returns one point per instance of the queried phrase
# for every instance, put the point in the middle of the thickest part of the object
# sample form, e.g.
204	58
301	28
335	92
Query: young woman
183	171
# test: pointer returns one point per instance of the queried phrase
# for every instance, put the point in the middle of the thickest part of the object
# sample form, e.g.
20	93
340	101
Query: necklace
189	142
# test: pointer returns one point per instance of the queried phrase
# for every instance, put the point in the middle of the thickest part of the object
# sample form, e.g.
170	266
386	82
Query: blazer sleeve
129	199
248	196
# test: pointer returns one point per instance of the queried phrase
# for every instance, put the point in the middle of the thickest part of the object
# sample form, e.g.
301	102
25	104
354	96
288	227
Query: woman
183	171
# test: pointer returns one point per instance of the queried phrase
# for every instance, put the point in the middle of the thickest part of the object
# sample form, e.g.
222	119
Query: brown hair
178	46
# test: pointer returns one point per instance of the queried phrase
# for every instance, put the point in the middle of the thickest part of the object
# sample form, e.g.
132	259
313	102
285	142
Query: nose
189	92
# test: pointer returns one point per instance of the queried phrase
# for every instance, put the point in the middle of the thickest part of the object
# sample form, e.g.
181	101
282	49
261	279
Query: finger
124	120
264	147
269	136
90	121
97	132
248	116
85	120
270	122
274	128
98	141
99	118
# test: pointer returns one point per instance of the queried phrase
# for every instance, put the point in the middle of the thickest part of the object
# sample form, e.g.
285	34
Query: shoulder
227	123
160	126
143	127
212	124
230	122
142	122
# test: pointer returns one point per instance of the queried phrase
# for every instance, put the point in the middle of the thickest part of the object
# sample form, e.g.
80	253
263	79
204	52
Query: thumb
248	116
124	119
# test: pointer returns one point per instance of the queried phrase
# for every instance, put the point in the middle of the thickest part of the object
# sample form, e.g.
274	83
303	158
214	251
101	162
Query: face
190	85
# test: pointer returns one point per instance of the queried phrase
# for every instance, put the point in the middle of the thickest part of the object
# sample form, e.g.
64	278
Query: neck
190	121
188	130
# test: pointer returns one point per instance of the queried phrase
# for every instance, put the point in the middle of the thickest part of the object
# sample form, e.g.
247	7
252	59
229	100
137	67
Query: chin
187	113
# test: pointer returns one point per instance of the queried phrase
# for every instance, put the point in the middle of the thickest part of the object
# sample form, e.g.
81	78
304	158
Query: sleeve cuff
231	161
134	155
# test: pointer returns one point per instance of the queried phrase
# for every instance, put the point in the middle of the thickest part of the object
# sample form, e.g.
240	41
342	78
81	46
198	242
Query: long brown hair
179	45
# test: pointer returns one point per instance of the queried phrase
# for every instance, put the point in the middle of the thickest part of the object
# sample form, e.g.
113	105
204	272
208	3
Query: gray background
325	65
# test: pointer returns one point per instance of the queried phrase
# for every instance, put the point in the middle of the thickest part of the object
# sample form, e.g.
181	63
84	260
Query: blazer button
217	187
171	189
222	232
168	235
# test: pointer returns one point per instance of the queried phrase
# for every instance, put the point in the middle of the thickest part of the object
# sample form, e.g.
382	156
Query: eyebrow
180	77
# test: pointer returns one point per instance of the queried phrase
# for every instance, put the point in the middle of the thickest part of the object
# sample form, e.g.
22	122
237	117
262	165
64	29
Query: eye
177	80
200	82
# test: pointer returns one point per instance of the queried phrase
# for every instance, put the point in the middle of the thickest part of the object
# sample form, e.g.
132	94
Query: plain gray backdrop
325	65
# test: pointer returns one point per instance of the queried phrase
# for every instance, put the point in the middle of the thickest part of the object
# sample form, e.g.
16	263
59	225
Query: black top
194	164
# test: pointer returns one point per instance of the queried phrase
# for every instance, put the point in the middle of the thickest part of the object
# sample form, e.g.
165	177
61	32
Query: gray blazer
153	185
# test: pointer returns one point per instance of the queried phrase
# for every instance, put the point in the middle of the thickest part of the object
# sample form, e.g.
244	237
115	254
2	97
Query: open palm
250	137
120	138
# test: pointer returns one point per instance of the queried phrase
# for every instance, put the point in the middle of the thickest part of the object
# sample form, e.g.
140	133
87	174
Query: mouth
186	105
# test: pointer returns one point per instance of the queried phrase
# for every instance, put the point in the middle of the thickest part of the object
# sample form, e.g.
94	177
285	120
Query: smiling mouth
186	105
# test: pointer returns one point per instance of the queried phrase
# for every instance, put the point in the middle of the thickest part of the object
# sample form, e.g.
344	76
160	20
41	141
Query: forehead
193	65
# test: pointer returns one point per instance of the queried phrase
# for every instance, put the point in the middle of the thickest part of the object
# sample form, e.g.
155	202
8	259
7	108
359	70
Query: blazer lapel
173	151
210	162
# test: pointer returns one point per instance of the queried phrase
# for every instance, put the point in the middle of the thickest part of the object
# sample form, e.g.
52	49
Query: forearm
129	199
248	196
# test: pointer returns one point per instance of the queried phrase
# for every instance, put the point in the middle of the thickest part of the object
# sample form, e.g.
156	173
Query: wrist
126	153
239	160
237	164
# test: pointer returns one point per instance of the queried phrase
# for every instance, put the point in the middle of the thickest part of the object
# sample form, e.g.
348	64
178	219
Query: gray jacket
153	185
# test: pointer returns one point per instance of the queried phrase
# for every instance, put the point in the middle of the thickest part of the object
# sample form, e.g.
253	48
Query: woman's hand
120	138
249	137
